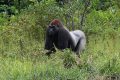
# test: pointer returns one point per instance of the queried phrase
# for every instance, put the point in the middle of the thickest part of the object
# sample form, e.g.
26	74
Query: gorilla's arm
49	44
48	41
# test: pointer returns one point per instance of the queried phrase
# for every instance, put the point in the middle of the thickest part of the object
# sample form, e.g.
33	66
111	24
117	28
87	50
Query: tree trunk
87	3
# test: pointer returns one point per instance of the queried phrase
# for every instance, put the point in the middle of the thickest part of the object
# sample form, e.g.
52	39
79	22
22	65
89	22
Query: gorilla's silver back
78	35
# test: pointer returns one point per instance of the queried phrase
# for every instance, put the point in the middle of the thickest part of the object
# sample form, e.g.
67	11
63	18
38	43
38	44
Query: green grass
99	61
16	69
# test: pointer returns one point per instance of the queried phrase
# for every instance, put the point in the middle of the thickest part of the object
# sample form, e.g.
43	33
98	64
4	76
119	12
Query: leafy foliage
22	37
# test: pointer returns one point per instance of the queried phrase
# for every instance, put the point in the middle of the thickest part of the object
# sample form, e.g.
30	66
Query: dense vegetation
22	29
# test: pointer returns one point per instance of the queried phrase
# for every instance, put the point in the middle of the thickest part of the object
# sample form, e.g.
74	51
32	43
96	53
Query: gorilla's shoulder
63	31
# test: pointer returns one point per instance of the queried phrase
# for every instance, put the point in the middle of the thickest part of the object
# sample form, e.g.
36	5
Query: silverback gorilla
61	38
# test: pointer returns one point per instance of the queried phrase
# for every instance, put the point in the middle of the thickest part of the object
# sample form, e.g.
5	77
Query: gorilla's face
52	30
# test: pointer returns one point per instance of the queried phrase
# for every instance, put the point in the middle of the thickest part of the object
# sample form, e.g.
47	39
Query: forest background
22	34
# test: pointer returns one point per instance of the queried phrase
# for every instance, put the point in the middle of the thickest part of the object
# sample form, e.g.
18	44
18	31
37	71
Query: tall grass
100	60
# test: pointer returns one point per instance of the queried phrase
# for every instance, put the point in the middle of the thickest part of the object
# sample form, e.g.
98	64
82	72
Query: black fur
58	37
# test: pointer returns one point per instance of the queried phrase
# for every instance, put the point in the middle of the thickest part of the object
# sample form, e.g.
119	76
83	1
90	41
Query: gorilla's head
52	30
54	26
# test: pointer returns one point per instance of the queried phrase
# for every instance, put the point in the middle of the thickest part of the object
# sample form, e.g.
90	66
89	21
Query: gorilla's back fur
76	36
